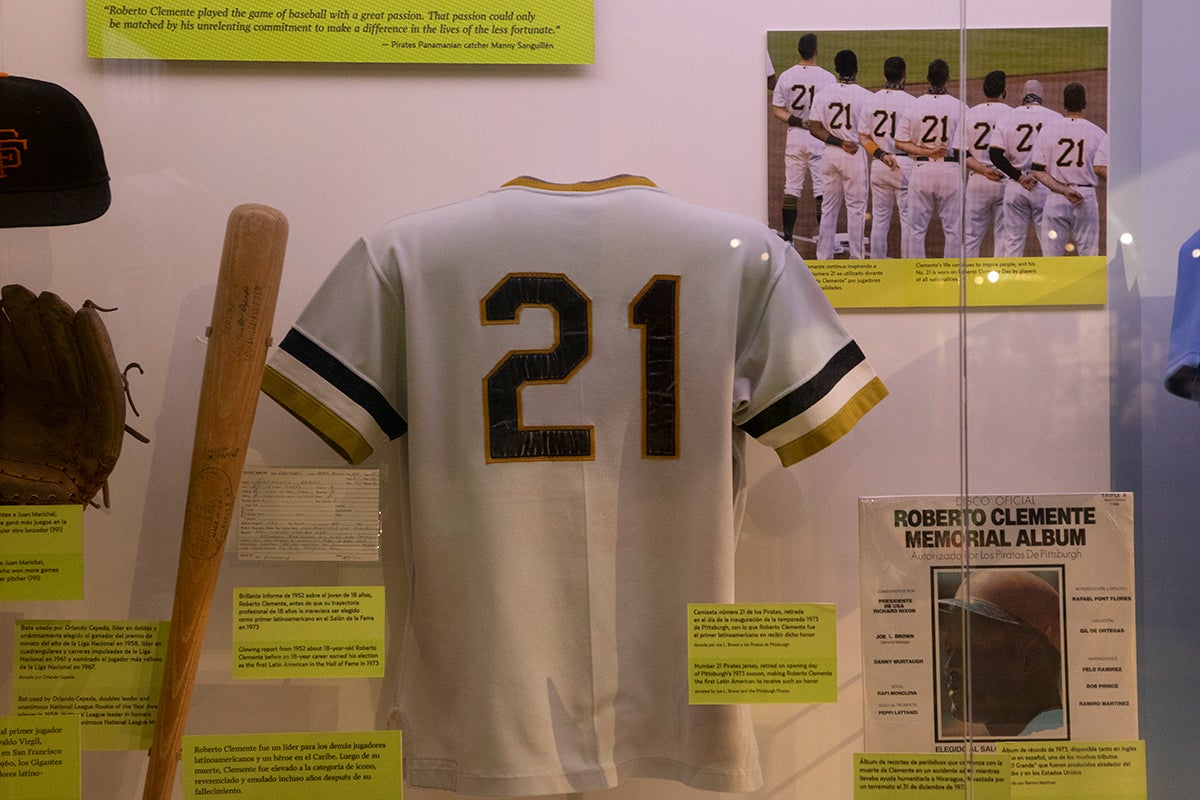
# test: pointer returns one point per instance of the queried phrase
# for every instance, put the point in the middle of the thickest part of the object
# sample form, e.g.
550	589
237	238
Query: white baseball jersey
843	175
573	370
1068	149
795	90
1183	350
889	187
1015	136
935	119
1017	133
984	197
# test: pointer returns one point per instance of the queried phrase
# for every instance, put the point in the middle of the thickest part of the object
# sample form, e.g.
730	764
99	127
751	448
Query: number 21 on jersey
654	311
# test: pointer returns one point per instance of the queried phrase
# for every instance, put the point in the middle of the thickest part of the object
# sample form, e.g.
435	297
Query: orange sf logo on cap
10	150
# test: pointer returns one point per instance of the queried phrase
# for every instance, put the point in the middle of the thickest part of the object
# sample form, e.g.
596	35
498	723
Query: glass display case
1027	448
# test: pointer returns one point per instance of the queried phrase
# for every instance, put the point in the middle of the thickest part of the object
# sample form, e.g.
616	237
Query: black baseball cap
52	169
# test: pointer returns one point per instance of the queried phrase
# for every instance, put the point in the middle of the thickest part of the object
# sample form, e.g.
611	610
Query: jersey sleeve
904	126
866	115
818	110
1101	159
779	94
863	103
960	138
999	136
339	369
801	381
1183	351
1040	156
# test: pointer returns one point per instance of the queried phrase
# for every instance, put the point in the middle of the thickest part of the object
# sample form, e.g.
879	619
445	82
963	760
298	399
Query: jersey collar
582	186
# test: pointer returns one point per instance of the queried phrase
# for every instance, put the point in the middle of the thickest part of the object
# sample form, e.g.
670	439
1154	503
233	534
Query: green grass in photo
1017	51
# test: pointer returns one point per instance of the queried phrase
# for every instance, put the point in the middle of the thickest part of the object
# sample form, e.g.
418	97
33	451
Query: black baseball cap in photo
52	169
1012	596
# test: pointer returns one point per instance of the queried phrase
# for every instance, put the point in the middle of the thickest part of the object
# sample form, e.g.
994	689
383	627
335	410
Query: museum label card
903	776
762	653
107	672
362	31
284	766
1050	770
308	632
39	757
41	553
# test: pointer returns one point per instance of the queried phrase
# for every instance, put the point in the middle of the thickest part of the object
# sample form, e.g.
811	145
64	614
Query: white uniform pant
985	208
889	194
1022	207
935	186
1063	222
801	157
844	178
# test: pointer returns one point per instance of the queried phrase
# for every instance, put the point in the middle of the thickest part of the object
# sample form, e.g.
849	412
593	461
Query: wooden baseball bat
243	309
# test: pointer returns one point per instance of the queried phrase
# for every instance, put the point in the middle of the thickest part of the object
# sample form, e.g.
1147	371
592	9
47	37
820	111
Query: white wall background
675	94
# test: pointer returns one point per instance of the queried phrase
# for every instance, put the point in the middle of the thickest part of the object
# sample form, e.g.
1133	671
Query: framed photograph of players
903	165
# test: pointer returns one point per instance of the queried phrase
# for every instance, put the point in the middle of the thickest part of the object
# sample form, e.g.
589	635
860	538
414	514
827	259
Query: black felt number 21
654	311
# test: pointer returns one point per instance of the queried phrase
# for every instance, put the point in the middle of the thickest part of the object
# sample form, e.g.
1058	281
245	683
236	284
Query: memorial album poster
997	618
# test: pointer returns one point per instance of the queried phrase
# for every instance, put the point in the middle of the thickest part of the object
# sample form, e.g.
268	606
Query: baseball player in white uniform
1010	149
889	177
834	120
985	183
572	371
931	133
790	104
1070	158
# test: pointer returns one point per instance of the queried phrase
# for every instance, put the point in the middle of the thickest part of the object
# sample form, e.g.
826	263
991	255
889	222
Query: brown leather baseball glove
62	401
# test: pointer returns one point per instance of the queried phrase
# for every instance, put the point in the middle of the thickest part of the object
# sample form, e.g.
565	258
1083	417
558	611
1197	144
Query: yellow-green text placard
39	758
900	776
107	672
308	632
362	31
41	552
1095	770
762	653
284	766
989	282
